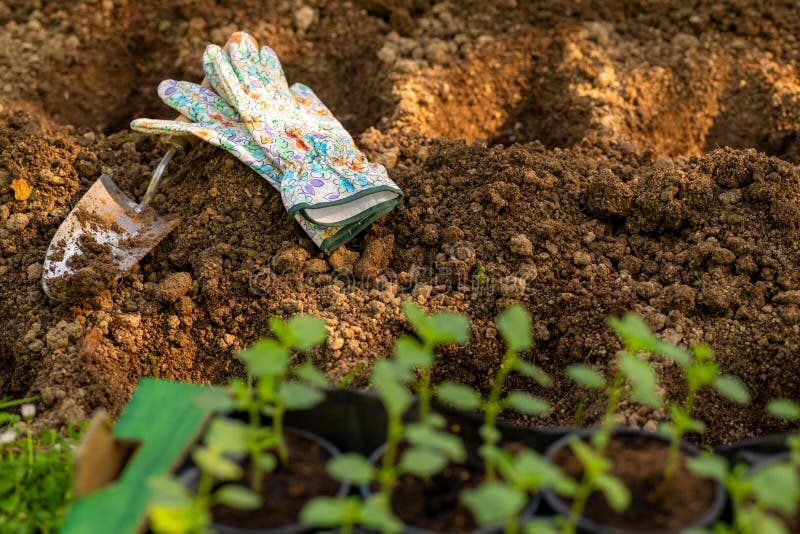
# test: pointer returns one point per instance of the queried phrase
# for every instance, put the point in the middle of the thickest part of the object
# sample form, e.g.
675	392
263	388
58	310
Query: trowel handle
178	143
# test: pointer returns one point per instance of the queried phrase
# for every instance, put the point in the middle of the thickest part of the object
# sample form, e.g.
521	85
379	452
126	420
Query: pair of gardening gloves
286	135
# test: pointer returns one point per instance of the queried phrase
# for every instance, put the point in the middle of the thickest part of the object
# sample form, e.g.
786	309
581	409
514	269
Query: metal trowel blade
104	236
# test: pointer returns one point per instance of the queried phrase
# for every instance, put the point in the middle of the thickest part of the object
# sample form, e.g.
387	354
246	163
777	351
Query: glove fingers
260	79
197	103
272	67
223	79
210	69
166	127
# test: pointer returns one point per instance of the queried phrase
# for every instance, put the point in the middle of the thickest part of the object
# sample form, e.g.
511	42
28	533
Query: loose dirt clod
593	131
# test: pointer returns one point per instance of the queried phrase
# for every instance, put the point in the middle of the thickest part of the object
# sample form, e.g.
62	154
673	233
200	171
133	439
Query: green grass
36	474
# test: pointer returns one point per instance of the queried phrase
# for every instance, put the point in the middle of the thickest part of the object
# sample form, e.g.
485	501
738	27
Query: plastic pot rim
713	513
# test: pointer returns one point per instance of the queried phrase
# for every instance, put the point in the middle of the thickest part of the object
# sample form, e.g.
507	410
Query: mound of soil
567	152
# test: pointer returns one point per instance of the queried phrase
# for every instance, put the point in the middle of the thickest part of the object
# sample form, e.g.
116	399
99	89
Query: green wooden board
164	419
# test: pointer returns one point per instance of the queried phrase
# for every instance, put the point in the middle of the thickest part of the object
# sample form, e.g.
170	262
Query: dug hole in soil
568	152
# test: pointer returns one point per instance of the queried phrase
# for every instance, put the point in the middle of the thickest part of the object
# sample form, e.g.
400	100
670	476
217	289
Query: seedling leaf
708	466
784	409
586	377
494	502
615	492
351	468
776	487
266	462
266	357
422	462
449	327
526	403
308	330
420	322
515	326
459	396
330	512
238	497
642	378
374	515
540	526
311	375
634	332
282	331
447	444
299	396
213	462
532	371
227	435
410	353
394	395
732	389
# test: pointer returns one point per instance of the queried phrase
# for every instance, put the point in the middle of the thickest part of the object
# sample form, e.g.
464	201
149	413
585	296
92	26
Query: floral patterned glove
213	120
326	178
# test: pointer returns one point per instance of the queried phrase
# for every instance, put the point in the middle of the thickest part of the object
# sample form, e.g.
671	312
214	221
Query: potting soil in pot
658	503
616	197
286	489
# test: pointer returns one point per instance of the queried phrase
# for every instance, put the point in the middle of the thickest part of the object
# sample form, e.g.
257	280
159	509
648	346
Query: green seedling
632	369
429	451
756	497
273	387
481	277
699	368
515	327
700	371
174	509
500	502
443	328
788	410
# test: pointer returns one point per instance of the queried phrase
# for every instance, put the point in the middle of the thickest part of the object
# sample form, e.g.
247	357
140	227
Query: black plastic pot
191	476
755	450
356	421
589	526
527	513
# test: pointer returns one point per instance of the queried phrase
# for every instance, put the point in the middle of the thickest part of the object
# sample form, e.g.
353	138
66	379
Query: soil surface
585	158
286	489
657	504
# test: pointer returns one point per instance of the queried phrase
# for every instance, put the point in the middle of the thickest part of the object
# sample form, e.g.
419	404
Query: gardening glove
217	123
326	178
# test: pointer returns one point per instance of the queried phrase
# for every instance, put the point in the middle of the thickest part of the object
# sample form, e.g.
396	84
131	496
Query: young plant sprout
500	502
429	449
441	328
641	377
756	496
270	390
700	371
174	509
699	368
515	327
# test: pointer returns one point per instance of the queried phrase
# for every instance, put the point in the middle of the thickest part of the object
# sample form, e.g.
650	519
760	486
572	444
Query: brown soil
435	504
286	490
616	196
657	504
